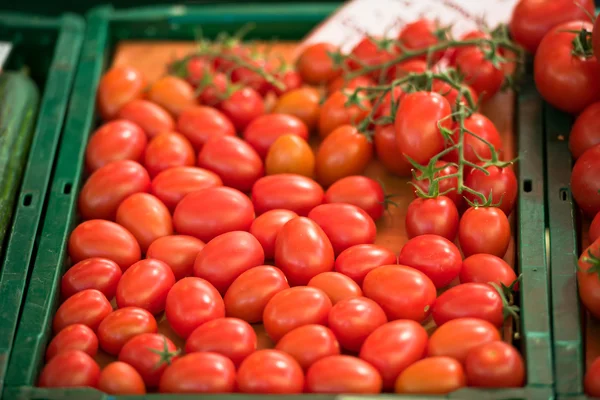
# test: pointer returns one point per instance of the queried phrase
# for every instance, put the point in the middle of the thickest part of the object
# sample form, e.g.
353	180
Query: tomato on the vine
585	184
501	184
479	72
114	141
495	365
357	261
308	344
343	374
403	68
484	230
353	319
473	147
334	112
448	186
433	375
341	82
315	65
369	52
421	34
293	192
437	216
118	86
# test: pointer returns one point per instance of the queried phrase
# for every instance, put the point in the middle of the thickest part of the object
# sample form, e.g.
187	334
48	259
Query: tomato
178	252
596	38
211	212
484	230
114	141
437	216
566	80
146	217
495	365
303	103
120	378
474	34
172	93
242	107
292	192
290	79
588	279
334	112
360	191
88	307
387	151
168	150
315	65
433	375
200	123
350	85
384	108
585	133
474	300
594	232
484	268
451	94
353	319
343	374
303	250
117	87
532	19
371	52
104	239
73	368
501	184
270	371
266	227
357	261
474	147
93	273
480	74
73	337
172	185
145	284
250	292
585	184
394	346
151	117
235	49
234	160
308	344
420	34
342	153
290	154
230	337
591	381
337	286
295	307
262	132
447	185
149	354
215	91
402	69
199	373
123	324
417	133
246	77
109	185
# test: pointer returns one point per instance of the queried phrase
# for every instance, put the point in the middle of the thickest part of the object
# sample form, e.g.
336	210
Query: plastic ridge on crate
49	48
105	27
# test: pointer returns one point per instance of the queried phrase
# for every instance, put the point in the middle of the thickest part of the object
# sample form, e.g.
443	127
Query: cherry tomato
394	346
118	86
585	133
215	91
370	52
232	48
591	381
303	103
178	252
109	185
73	337
350	85
474	148
200	123
119	378
419	35
447	186
594	232
387	150
485	268
353	319
451	94
335	113
270	371
242	107
73	368
290	80
588	279
484	230
385	109
172	185
290	154
360	191
585	184
480	74
146	217
357	261
145	284
474	300
173	94
343	374
433	375
246	77
114	141
262	132
495	365
266	227
88	307
234	160
342	153
93	273
501	184
292	192
474	34
230	337
315	65
402	69
437	216
199	373
308	344
151	117
123	324
211	212
168	150
104	239
337	286
249	294
596	38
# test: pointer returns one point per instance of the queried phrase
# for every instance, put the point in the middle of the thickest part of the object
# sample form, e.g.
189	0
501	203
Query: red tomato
456	338
384	108
88	307
270	371
295	307
302	251
230	337
495	365
108	186
585	184
566	80
371	52
234	160
145	284
290	80
501	184
419	35
343	374
151	117
447	186
215	91
262	132
115	141
149	354
402	69
480	74
211	212
73	368
266	227
242	107
591	382
337	286
201	123
335	113
357	261
474	34
451	94
315	65
433	375
585	132
588	279
596	38
387	151
484	230
192	302
172	93
123	324
120	379
172	185
484	268
594	232
341	82
474	147
168	150
93	273
199	373
473	300
233	48
394	346
105	239
286	191
308	344
178	252
73	337
437	216
246	77
353	319
119	86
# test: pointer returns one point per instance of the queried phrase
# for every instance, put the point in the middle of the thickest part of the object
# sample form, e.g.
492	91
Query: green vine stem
508	308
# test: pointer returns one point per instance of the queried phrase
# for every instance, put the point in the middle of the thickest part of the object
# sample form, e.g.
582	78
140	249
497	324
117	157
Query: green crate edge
41	301
36	178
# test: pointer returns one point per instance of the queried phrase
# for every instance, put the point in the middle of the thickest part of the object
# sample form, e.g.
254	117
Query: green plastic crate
49	48
290	21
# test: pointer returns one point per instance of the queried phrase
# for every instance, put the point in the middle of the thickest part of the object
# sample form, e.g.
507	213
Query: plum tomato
92	273
337	286
88	307
433	375
473	300
341	82
419	35
585	184
178	252
451	94
242	107
385	108
117	87
334	112
315	65
73	337
200	123
447	186
114	141
151	117
270	372
303	103
480	74
293	192
360	191
167	150
266	227
72	368
173	94
263	131
199	373
123	324
119	378
585	132
172	185
437	216
215	90
403	68
501	184
371	51
594	232
357	261
474	148
588	278
485	268
591	381
145	284
495	365
353	319
290	79
484	230
308	344
387	151
290	154
343	374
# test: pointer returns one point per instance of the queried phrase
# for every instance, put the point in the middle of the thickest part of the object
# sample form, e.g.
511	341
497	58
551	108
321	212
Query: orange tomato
434	375
302	103
315	65
335	113
172	93
168	150
119	86
290	154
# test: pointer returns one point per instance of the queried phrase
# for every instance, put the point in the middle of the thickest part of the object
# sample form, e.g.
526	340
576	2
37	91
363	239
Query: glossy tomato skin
73	368
591	381
483	127
263	131
447	186
167	150
484	230
585	185
501	184
585	132
105	239
357	261
354	319
403	292
108	186
93	273
308	344
88	307
594	232
114	141
145	284
484	268
360	191
334	112
315	65
242	107
201	123
266	227
119	86
369	52
596	39
151	117
292	192
270	371
73	337
121	378
385	108
216	91
303	103
451	94
350	85
178	252
437	216
337	286
172	93
303	250
343	374
392	347
480	73
418	35
123	324
172	185
402	69
199	373
290	154
433	375
589	280
387	152
211	212
494	365
474	300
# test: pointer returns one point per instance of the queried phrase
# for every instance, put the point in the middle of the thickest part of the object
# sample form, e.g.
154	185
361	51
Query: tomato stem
166	356
508	308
